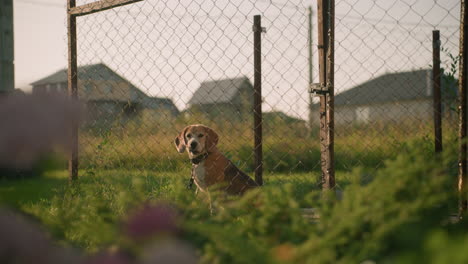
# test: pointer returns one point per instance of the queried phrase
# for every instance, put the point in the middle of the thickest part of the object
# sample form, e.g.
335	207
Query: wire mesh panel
149	69
383	81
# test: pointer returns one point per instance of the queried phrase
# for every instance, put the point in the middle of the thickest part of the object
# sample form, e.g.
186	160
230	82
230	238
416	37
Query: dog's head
197	140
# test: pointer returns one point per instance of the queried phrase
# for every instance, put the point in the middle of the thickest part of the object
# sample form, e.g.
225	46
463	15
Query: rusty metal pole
257	107
7	66
326	35
437	91
462	155
72	88
311	69
322	45
330	179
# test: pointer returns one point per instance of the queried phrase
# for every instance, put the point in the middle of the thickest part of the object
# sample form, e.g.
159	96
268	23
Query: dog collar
199	159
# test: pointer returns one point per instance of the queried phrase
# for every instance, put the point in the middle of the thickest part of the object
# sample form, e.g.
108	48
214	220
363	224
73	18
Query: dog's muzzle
193	147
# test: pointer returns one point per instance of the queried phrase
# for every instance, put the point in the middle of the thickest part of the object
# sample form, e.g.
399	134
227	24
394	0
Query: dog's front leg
210	203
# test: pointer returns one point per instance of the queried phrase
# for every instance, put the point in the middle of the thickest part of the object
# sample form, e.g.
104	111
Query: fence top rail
98	6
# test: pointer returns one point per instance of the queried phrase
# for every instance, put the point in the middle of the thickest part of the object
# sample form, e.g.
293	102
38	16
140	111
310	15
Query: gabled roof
101	72
218	91
98	72
392	87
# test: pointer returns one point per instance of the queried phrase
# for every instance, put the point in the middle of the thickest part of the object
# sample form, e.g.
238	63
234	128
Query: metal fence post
72	88
330	154
462	155
257	29
326	35
437	92
7	73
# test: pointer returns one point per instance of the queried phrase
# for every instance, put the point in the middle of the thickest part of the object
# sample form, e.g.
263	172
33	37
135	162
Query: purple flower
151	220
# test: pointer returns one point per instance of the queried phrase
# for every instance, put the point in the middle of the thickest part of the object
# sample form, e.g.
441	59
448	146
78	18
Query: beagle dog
209	166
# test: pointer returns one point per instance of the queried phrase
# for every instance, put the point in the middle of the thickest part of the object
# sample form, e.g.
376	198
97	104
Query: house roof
218	91
97	73
391	87
101	72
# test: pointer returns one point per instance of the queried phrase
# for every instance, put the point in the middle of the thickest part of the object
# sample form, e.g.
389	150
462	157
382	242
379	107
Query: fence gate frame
462	113
73	12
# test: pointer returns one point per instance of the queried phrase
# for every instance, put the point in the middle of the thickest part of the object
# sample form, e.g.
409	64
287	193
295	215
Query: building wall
105	90
50	88
103	115
108	103
416	110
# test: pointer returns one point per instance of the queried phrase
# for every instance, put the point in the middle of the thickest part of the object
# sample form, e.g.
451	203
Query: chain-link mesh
149	69
384	89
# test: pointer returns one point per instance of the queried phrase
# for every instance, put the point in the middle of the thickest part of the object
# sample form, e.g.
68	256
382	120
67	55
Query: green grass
396	197
85	213
286	149
30	190
393	217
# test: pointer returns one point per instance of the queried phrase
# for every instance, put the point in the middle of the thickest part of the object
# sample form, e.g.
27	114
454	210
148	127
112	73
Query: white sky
167	48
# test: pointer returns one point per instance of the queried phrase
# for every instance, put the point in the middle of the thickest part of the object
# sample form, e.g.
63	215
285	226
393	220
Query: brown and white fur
209	166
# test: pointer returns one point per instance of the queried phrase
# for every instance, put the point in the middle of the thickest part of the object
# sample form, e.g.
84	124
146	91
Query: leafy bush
389	217
399	214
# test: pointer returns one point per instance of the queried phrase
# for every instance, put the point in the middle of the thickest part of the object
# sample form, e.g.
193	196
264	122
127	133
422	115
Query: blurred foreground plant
33	127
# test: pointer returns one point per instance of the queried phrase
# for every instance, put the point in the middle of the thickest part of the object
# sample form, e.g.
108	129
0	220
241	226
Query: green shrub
388	217
397	213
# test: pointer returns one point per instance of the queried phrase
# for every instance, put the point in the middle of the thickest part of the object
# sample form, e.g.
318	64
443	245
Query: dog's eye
200	135
189	135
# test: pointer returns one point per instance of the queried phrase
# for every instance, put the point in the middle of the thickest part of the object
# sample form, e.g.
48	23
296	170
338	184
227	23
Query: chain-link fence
148	69
384	89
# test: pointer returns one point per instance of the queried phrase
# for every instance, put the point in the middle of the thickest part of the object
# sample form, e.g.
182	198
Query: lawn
397	215
17	193
86	214
396	197
159	185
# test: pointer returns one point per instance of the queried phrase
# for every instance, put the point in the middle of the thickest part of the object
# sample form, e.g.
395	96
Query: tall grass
287	147
399	216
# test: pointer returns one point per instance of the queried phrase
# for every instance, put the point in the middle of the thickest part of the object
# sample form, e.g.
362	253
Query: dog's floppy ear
179	141
211	139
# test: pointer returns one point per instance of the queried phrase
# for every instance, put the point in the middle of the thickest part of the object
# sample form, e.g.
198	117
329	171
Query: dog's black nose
193	145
